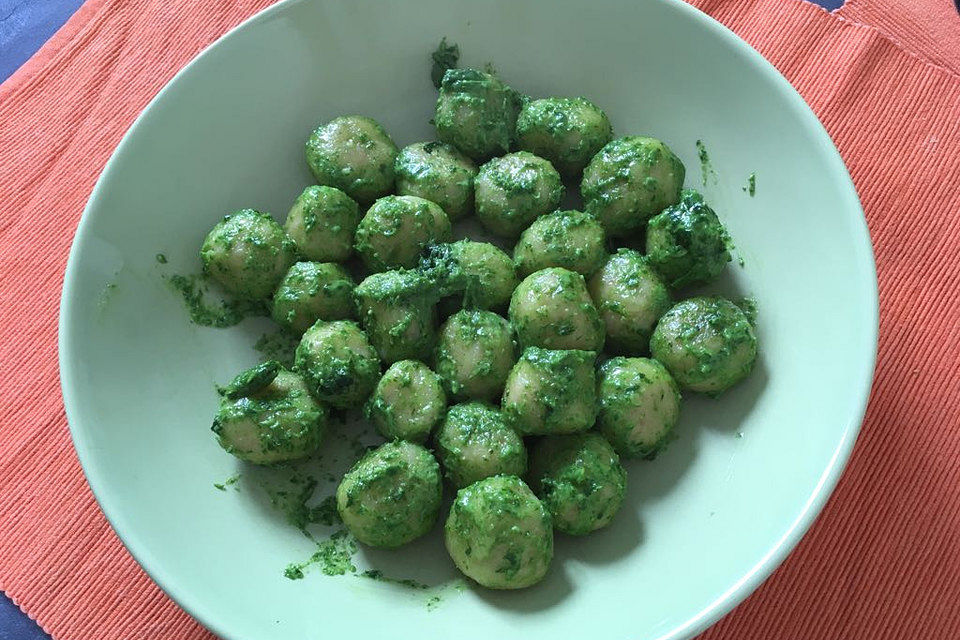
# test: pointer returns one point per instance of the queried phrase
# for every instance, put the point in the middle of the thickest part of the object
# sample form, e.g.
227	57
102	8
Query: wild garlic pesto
551	391
630	298
407	402
474	354
321	223
398	311
247	254
551	308
476	113
511	191
639	406
570	239
477	274
707	344
313	291
396	229
579	479
474	442
437	172
629	181
338	363
392	495
267	415
686	243
566	131
354	154
499	534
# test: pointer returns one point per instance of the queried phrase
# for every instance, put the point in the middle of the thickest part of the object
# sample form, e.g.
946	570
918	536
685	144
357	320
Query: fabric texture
882	560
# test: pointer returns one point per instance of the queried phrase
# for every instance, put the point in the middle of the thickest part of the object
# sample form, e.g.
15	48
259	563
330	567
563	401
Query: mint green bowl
702	526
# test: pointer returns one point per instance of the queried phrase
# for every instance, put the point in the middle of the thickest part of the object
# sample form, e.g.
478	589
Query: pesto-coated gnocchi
437	172
570	239
266	416
354	154
499	534
474	443
398	311
686	243
396	229
565	131
392	495
639	406
513	190
474	354
321	223
338	363
551	391
407	402
580	480
707	343
629	181
551	308
630	298
476	113
247	253
313	291
477	274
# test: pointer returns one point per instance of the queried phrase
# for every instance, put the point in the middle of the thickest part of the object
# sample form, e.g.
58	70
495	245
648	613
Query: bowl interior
701	526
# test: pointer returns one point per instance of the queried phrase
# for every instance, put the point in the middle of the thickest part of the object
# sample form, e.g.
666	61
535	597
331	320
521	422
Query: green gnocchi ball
313	291
551	308
476	113
407	402
391	495
479	274
580	481
551	391
321	223
639	406
499	534
267	416
247	254
514	190
338	363
437	172
707	344
686	243
565	131
569	239
630	298
398	311
629	181
396	229
474	354
354	154
475	443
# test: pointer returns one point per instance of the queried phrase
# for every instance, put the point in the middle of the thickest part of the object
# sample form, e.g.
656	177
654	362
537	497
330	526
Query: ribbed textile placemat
883	560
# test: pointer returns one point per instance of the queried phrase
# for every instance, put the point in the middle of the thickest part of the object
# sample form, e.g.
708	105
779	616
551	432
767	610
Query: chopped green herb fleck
751	186
222	314
232	480
706	168
162	259
279	346
445	57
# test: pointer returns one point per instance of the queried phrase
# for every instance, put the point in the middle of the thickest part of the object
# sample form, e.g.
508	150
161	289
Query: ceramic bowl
702	525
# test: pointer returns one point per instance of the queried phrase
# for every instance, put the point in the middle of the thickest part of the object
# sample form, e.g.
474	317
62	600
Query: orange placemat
880	563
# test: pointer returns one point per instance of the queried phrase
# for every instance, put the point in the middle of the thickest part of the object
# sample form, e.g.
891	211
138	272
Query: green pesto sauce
252	380
279	346
376	574
291	500
444	57
749	307
334	557
751	186
162	259
193	289
706	168
229	482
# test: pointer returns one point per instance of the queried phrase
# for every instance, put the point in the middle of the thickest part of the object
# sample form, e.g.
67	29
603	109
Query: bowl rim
710	613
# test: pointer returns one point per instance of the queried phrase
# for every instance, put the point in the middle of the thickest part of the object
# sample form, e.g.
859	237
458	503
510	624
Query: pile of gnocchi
519	382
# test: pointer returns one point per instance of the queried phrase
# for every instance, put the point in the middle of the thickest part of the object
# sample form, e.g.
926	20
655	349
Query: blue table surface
24	26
